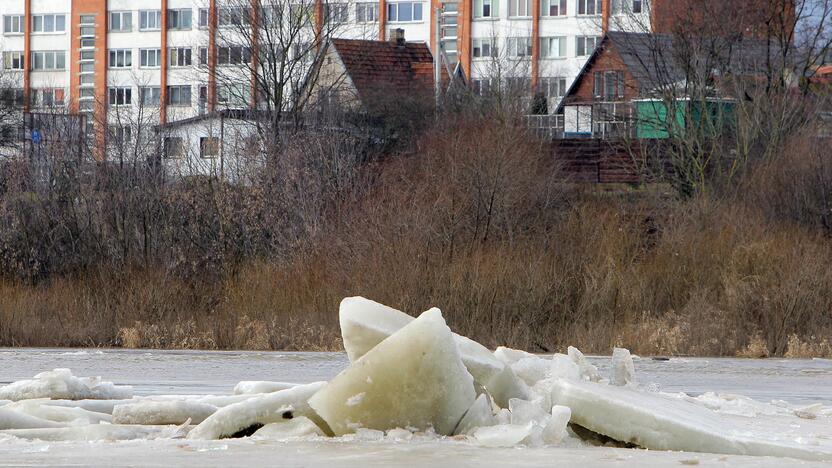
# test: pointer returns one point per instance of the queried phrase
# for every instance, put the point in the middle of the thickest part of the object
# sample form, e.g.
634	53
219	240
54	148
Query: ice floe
412	379
154	413
245	417
61	384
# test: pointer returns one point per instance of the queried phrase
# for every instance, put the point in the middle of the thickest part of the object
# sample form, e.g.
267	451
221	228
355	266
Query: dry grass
487	232
702	280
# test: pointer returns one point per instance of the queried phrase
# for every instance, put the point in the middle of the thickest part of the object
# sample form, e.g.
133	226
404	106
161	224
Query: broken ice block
247	416
622	371
289	429
365	323
414	378
661	423
162	412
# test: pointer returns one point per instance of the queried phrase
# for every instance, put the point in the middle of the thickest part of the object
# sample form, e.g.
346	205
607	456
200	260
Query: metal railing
612	119
546	126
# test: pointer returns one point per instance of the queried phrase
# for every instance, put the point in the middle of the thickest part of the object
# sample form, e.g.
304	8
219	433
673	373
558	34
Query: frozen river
152	372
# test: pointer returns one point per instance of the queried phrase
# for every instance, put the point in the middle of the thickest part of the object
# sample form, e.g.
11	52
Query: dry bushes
478	224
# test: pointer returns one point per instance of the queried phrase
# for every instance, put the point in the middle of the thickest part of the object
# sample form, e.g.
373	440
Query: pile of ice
412	377
61	384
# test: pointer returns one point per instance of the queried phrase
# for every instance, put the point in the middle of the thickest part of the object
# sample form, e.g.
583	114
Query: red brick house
372	76
628	67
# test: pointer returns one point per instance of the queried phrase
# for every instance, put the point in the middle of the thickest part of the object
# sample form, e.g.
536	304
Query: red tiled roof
374	66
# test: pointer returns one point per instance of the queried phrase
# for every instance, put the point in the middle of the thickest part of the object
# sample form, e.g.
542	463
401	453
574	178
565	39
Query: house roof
375	65
657	61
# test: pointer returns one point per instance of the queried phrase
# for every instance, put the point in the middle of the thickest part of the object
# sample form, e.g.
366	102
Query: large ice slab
96	432
366	323
162	412
13	419
60	414
253	413
414	378
60	384
661	423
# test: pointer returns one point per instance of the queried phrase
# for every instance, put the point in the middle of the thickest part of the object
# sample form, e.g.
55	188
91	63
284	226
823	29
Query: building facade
105	58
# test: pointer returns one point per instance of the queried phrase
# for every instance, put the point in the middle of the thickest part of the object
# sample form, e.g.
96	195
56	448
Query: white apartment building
108	58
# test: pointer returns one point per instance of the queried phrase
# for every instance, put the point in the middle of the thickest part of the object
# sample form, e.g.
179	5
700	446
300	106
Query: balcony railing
612	119
546	126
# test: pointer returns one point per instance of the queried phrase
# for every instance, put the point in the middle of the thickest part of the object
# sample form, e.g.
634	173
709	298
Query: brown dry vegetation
483	226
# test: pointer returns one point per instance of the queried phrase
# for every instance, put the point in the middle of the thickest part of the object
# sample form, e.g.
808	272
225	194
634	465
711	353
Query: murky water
153	372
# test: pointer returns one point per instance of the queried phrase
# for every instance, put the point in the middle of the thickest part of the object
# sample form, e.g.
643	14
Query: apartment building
107	57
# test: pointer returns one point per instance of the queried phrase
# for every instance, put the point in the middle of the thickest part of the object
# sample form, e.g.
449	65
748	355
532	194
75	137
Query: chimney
397	36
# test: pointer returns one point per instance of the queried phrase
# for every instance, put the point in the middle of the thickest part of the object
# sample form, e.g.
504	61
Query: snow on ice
412	379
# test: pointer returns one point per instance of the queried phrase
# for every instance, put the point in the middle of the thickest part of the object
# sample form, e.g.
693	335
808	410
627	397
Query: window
608	85
180	19
518	85
236	16
150	58
585	45
484	48
48	23
336	13
203	56
150	95
366	12
120	58
519	8
47	97
519	47
202	99
150	20
180	57
486	9
204	15
482	87
174	148
553	87
12	97
120	96
209	147
121	21
553	47
402	12
234	94
620	7
13	24
179	95
553	7
302	13
637	6
120	134
589	7
233	55
51	60
13	60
